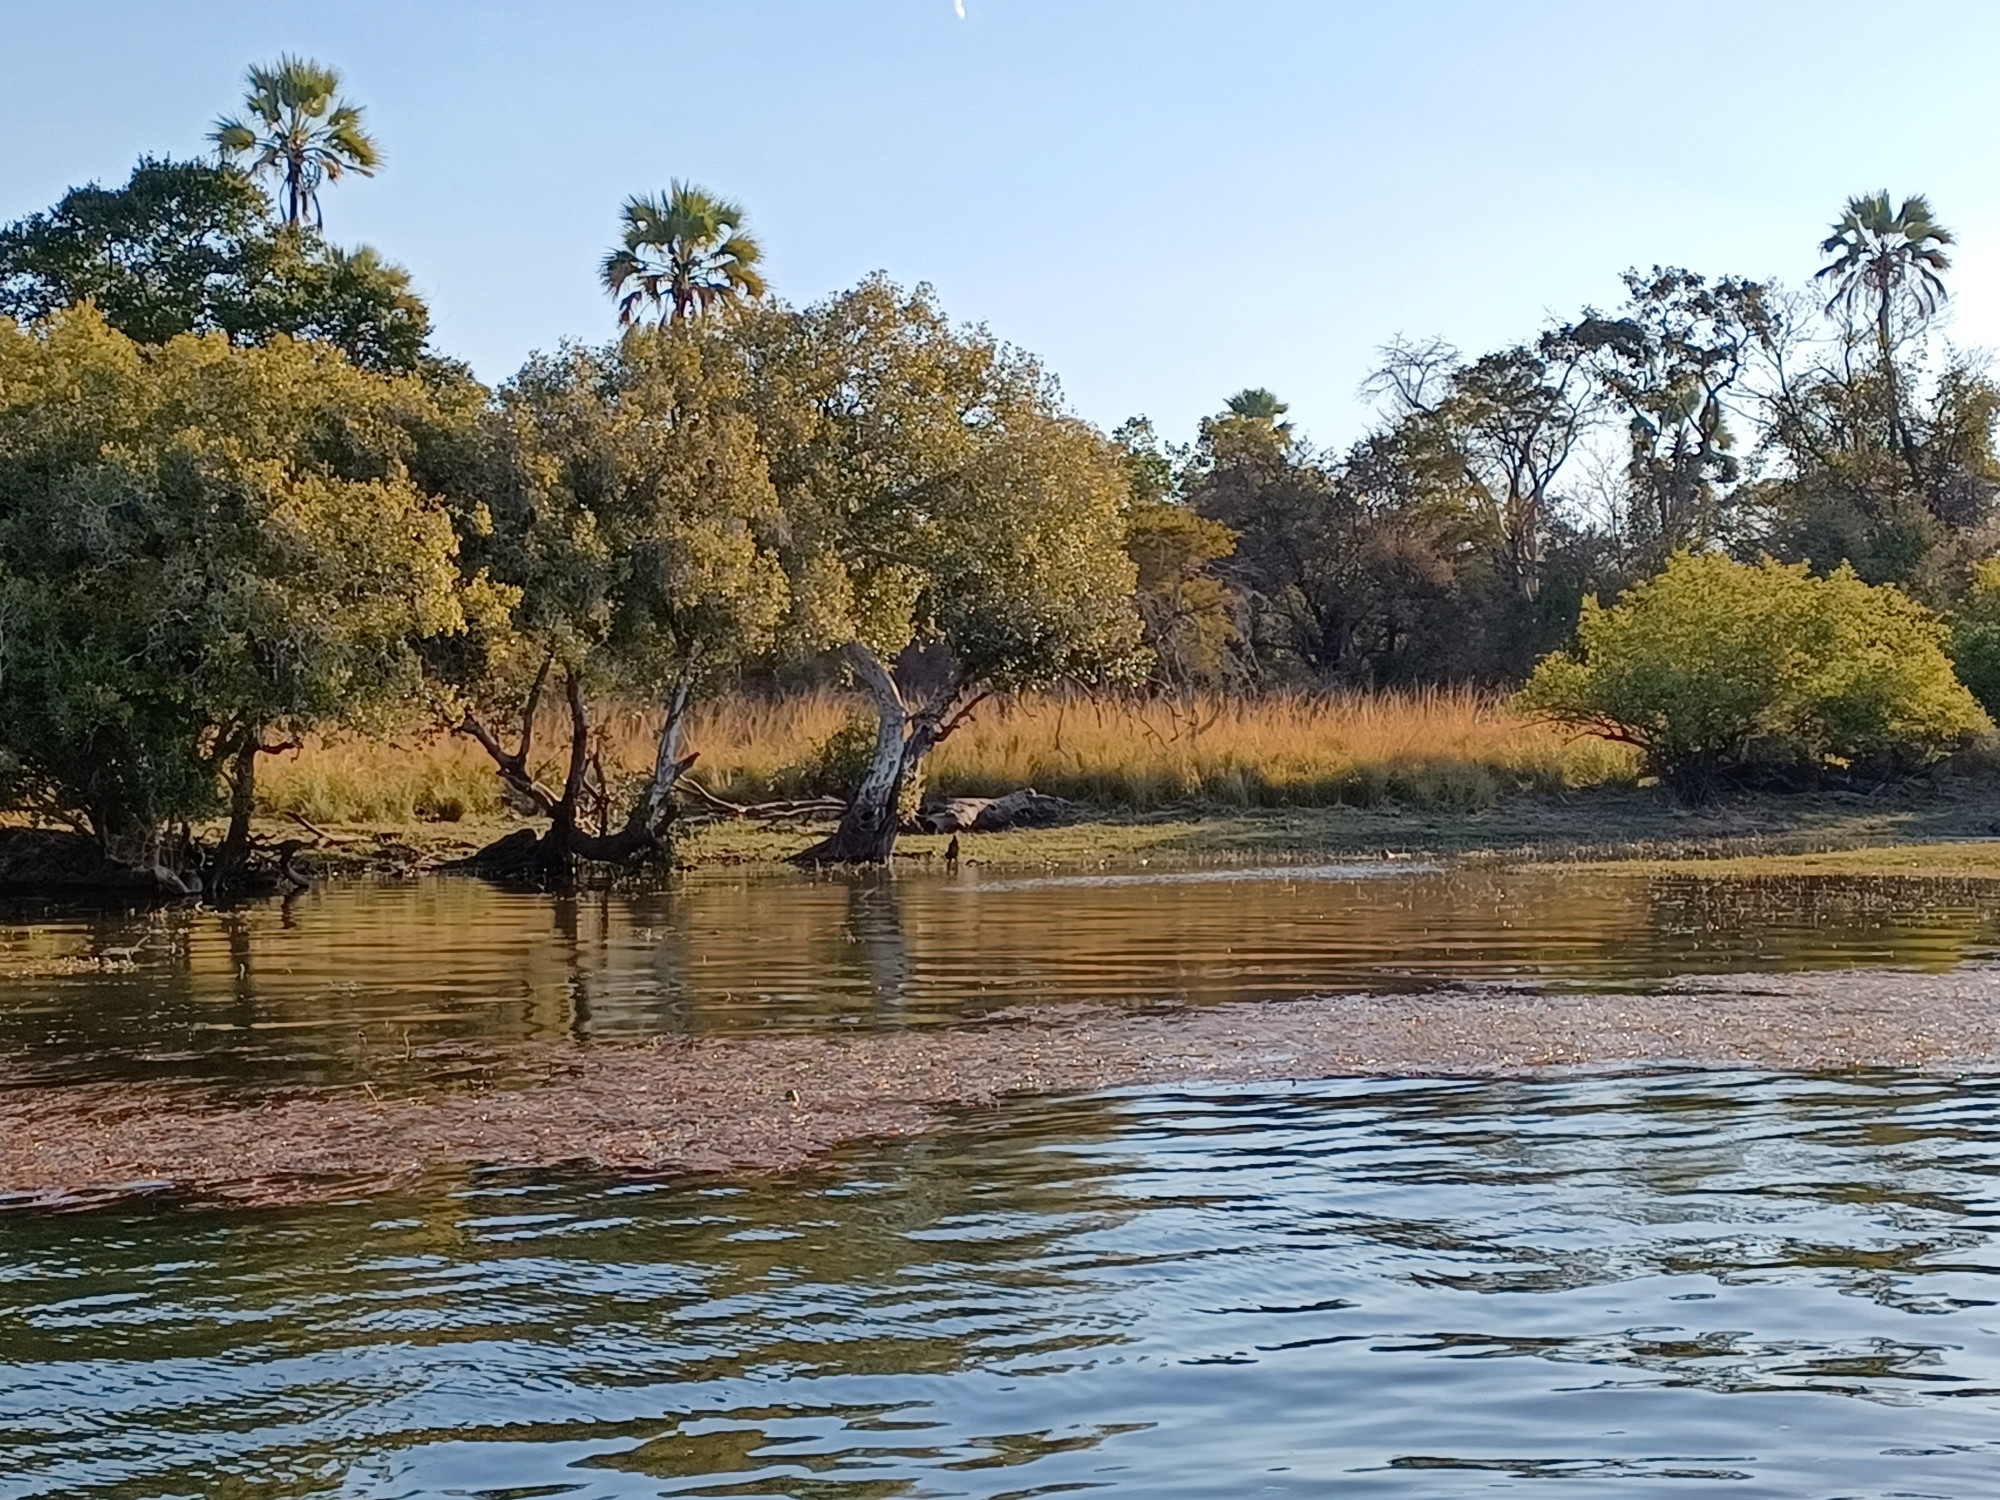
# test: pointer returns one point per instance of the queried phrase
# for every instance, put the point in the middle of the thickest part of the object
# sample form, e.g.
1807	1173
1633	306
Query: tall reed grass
1445	749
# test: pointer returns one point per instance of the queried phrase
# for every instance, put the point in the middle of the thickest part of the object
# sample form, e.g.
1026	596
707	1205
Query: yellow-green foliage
1715	665
201	546
1452	750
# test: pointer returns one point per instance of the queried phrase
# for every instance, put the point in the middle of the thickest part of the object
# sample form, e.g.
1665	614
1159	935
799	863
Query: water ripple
1648	1283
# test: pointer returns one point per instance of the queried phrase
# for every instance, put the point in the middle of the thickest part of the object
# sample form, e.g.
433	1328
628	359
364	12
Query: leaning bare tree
624	552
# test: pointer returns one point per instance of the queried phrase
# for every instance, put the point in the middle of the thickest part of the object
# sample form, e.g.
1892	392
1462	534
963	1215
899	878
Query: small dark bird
951	853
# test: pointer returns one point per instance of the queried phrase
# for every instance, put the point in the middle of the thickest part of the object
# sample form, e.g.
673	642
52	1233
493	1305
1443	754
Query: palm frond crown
296	127
1880	254
682	253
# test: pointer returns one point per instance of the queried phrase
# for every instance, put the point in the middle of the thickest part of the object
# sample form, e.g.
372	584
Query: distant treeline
243	497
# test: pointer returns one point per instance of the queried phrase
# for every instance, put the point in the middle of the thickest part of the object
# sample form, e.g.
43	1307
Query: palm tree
1258	404
1882	258
301	131
682	253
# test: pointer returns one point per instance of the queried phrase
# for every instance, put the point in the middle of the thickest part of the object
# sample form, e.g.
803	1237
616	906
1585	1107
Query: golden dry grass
1438	749
439	778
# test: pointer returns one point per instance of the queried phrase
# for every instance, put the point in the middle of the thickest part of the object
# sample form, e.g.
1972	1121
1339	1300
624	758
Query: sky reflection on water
1656	1284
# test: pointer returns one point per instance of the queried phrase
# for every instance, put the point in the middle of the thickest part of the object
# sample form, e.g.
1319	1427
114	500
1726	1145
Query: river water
345	981
1595	1283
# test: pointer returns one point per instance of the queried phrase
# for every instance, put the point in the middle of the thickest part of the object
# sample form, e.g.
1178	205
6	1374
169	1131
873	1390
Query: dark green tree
203	550
1188	612
949	529
1887	267
1296	542
628	510
1875	453
1671	363
1884	260
1484	444
189	247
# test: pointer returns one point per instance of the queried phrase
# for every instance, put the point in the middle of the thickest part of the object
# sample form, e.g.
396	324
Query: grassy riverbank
1427	773
1457	751
1937	828
1940	826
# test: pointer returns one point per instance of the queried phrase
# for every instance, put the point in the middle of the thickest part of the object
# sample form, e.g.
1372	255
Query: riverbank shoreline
677	1105
1927	826
1625	825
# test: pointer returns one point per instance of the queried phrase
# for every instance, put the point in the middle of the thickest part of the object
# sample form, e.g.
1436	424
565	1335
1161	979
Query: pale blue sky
1166	199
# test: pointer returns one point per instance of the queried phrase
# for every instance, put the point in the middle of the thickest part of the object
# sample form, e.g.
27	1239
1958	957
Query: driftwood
513	857
1027	808
768	812
325	839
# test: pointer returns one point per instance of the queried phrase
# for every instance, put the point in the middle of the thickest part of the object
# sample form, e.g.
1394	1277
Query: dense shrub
1975	635
203	549
1717	670
839	761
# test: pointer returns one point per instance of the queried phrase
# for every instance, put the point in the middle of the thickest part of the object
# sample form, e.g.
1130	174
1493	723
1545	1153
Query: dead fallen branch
326	839
1023	809
767	812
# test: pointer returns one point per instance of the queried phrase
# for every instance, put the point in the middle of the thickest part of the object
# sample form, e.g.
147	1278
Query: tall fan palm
1882	257
1258	404
300	130
1879	259
682	254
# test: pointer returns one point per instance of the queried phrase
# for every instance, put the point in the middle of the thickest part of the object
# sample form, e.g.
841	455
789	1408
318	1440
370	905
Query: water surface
1609	1285
1600	1284
357	979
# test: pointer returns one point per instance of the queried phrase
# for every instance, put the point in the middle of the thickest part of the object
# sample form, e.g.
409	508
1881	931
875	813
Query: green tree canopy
682	253
1883	258
201	547
1672	363
1888	266
1294	546
1259	405
1890	468
1975	635
189	247
949	528
630	510
1188	612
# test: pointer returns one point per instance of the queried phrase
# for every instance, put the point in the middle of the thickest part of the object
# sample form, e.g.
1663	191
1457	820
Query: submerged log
512	857
550	860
